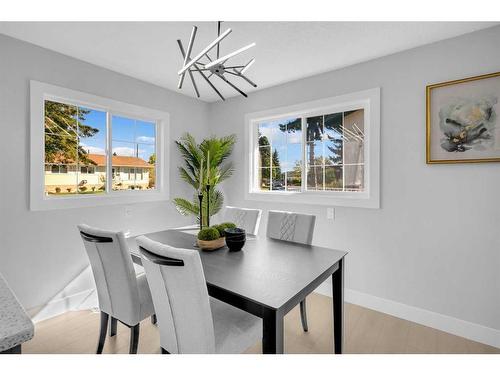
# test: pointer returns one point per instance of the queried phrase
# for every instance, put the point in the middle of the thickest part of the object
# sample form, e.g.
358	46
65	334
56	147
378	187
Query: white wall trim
468	330
83	300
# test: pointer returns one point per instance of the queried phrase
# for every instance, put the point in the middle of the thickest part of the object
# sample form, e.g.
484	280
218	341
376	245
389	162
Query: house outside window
324	152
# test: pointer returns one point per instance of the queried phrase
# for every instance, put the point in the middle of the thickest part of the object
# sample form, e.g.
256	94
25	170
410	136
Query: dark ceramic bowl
234	232
235	238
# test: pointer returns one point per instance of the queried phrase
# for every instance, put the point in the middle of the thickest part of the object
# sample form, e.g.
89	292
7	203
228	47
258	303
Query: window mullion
286	157
343	151
271	174
77	161
323	157
303	180
109	153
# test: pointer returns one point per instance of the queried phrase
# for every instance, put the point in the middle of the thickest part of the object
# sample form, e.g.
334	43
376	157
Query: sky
289	144
127	134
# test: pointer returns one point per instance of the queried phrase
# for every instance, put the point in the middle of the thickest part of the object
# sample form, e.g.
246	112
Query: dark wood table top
269	272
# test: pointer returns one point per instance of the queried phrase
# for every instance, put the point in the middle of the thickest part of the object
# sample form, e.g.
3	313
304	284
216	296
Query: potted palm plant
204	164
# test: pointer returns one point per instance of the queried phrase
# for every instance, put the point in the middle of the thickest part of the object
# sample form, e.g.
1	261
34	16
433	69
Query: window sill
81	201
350	199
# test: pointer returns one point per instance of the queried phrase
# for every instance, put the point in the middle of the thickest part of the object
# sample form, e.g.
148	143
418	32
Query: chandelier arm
187	55
218	34
194	83
210	83
204	51
229	55
238	74
230	84
247	65
181	78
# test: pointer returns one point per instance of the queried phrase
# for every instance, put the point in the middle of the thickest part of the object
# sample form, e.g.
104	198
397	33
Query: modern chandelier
208	67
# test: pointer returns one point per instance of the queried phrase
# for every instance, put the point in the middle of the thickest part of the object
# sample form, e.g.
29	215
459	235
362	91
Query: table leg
273	333
338	308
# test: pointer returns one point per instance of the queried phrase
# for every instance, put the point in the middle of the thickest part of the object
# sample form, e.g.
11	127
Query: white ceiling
285	51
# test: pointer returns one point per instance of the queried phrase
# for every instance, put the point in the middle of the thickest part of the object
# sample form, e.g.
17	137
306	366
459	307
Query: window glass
76	139
328	157
280	154
134	153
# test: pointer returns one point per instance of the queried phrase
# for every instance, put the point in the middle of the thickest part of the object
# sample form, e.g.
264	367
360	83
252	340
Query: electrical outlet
330	213
128	211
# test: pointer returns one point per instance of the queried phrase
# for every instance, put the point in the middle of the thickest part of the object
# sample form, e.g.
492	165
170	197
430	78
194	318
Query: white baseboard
468	330
84	300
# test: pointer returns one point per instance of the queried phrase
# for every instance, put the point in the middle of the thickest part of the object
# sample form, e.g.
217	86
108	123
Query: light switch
330	213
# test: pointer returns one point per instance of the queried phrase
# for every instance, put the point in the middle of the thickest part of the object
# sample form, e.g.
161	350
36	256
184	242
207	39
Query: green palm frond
226	172
216	201
193	155
186	207
188	178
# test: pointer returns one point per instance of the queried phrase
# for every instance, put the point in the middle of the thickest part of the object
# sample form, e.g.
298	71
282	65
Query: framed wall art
462	120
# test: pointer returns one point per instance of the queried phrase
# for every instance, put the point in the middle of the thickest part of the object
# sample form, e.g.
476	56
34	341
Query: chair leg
102	333
134	338
303	315
163	351
112	326
153	319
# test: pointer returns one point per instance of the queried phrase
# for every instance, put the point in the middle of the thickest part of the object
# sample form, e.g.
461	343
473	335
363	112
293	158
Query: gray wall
435	243
41	254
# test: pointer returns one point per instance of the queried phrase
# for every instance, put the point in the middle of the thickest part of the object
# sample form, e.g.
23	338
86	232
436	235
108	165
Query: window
323	152
133	144
71	135
87	170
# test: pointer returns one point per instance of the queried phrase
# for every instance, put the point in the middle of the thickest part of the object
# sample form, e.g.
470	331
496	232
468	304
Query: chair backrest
291	226
114	273
245	218
180	297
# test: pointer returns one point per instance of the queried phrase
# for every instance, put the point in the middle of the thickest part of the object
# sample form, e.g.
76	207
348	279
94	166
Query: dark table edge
296	299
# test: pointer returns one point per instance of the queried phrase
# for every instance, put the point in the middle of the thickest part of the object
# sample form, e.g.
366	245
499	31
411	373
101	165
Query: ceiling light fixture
214	67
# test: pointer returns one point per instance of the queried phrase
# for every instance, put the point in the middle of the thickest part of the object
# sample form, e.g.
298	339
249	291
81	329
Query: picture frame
462	120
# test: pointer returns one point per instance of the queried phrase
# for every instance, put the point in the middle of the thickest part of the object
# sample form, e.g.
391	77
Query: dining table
267	278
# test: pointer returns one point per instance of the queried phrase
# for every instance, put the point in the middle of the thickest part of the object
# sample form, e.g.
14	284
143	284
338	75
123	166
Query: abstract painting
462	120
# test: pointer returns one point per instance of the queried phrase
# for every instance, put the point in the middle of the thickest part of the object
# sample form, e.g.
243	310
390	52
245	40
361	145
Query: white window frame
39	93
369	101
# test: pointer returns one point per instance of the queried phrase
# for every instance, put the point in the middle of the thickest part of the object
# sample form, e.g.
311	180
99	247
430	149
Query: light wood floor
367	331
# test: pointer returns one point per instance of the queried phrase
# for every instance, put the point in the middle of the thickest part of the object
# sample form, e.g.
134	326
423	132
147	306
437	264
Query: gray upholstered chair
293	227
189	320
245	218
123	295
